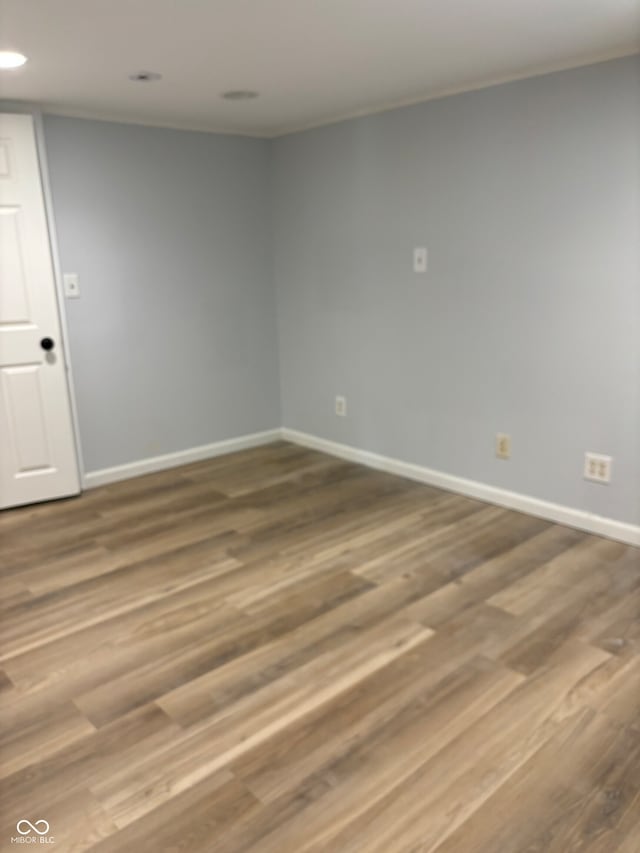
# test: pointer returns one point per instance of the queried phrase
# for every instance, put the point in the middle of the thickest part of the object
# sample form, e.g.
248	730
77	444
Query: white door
37	448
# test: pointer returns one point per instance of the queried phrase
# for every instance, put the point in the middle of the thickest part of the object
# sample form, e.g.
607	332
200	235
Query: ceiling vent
145	76
239	95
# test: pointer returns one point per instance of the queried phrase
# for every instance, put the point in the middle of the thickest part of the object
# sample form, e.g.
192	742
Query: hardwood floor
279	651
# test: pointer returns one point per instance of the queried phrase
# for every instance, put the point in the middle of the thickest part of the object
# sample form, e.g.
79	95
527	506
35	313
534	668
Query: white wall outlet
341	406
71	285
503	445
597	467
420	259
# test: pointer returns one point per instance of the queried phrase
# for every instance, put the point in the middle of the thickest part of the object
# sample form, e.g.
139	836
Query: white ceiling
313	61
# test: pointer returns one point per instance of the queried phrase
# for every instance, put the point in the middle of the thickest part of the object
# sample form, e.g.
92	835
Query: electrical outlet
503	445
597	467
341	406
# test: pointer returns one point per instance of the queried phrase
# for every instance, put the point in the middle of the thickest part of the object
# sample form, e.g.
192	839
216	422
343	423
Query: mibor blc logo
33	833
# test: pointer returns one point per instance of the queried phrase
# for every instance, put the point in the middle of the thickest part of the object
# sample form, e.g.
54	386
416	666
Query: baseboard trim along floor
104	476
582	520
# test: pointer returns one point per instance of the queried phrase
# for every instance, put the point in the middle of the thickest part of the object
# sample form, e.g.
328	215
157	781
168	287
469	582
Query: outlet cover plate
597	467
503	445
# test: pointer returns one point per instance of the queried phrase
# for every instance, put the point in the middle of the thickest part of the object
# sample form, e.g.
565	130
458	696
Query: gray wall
527	322
173	340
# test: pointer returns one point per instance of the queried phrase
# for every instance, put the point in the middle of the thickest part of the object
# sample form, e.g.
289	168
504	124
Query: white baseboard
92	479
619	530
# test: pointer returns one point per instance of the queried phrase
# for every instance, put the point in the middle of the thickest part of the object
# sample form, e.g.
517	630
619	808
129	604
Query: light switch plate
420	259
71	285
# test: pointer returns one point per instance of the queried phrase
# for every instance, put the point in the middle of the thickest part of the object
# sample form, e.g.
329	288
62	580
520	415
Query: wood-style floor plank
280	652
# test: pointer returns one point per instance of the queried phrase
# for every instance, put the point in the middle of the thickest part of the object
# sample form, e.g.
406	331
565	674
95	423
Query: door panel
27	424
4	158
14	304
37	450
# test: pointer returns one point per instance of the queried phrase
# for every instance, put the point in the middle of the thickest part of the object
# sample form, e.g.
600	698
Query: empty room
320	426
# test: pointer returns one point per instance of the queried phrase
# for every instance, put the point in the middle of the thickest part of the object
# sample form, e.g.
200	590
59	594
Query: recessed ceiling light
145	76
239	95
10	59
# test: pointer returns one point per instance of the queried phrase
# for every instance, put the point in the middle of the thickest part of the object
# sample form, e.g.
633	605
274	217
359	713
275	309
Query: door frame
38	125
